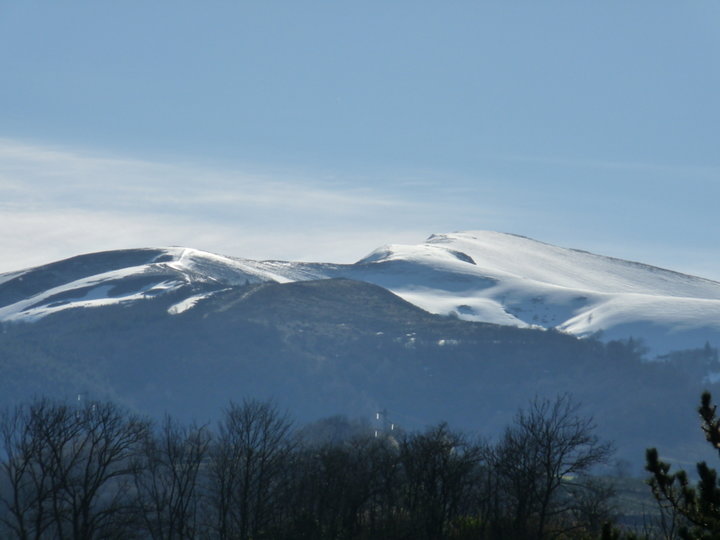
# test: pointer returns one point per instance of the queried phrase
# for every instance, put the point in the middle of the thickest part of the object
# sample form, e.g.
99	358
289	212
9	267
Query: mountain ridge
481	276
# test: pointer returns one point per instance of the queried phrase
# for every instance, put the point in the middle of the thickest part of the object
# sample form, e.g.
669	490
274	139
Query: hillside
475	276
466	328
326	347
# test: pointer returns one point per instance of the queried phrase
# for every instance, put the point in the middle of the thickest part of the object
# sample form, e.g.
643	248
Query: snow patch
190	302
95	298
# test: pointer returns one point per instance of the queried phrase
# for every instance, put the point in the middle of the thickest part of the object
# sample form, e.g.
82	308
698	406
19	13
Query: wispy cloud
39	238
57	203
40	175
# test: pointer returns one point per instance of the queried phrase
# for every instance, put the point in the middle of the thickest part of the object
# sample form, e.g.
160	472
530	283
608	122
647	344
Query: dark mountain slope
357	303
344	347
52	275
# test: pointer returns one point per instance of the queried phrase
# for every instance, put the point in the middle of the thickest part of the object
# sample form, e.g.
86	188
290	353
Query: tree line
94	470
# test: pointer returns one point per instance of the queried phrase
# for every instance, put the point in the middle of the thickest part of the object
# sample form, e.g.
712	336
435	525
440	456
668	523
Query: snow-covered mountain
475	275
508	279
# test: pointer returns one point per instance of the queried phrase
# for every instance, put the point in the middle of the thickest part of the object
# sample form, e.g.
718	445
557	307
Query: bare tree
168	481
246	466
591	503
70	469
438	475
548	444
343	487
25	488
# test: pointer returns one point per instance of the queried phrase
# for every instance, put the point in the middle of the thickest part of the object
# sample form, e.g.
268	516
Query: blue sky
320	130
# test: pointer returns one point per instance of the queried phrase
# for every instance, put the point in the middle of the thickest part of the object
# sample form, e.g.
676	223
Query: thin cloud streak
40	238
55	204
37	175
59	203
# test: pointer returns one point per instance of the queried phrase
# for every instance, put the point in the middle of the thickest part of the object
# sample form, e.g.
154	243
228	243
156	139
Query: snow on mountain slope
201	265
506	255
474	275
126	276
508	279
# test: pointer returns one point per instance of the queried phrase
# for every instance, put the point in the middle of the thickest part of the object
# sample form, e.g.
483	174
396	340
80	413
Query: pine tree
699	505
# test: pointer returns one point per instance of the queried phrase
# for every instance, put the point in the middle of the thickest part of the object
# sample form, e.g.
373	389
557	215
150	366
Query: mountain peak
483	276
